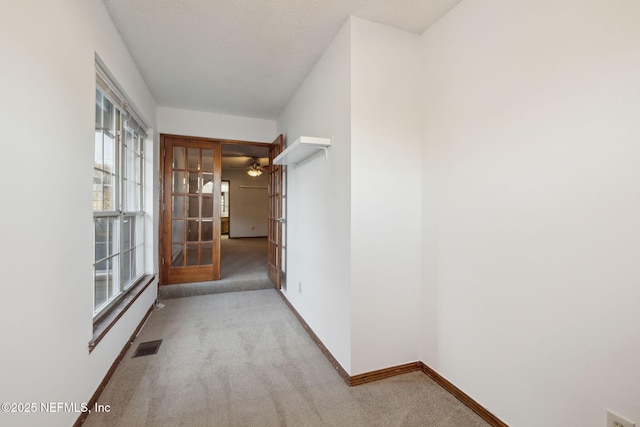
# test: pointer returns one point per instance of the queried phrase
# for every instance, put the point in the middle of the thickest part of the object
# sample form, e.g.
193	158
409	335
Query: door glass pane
193	210
177	255
179	158
276	210
179	182
193	183
177	210
192	254
192	198
207	160
177	231
207	207
207	183
207	230
194	158
192	230
207	254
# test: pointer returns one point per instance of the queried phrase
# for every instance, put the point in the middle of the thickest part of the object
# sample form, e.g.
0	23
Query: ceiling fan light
254	170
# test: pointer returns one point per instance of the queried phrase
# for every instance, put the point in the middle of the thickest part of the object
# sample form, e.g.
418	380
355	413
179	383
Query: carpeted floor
243	266
242	359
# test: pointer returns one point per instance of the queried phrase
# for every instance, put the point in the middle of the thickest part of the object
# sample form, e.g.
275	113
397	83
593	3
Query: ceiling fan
255	169
252	165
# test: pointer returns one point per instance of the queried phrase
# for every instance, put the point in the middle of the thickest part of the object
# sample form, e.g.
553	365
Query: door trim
220	140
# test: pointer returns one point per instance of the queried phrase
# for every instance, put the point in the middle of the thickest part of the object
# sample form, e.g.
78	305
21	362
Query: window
118	196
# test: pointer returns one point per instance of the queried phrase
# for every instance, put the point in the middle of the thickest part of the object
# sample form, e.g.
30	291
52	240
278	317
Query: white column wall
318	201
385	196
47	109
530	207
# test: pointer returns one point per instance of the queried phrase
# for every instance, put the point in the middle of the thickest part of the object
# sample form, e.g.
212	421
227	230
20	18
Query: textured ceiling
244	57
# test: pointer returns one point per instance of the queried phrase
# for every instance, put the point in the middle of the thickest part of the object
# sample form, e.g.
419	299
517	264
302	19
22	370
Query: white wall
530	207
318	193
211	125
47	109
353	218
248	207
385	196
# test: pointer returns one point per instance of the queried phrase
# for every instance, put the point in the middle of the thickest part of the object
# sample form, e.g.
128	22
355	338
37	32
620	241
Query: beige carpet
243	267
242	359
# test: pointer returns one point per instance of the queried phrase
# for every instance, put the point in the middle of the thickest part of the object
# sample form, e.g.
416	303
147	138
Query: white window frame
129	134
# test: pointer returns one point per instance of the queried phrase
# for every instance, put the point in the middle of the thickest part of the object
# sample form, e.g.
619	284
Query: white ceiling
245	57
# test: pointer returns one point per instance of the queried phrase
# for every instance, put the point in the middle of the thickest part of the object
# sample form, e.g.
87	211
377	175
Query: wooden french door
191	210
276	216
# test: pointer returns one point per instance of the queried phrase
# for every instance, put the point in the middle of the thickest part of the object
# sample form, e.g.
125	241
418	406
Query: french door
191	210
276	215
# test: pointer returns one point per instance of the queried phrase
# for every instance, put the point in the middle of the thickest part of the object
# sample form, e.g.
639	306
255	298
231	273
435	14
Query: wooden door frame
161	195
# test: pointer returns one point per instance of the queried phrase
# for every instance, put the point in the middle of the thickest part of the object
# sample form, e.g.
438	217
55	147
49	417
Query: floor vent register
147	348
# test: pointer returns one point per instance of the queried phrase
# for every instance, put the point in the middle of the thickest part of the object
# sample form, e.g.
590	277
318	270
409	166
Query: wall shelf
301	149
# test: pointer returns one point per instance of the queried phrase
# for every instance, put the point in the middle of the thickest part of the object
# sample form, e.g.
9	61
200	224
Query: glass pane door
275	215
192	183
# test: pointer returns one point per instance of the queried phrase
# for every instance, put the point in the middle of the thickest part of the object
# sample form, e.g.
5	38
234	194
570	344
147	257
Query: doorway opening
222	213
244	227
248	204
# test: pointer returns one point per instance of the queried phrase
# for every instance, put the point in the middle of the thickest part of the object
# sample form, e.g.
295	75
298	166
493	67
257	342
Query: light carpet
243	359
243	267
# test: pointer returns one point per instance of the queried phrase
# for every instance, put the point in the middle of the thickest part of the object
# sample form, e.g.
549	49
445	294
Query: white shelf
301	149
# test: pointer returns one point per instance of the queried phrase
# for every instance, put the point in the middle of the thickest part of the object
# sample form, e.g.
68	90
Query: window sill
106	322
